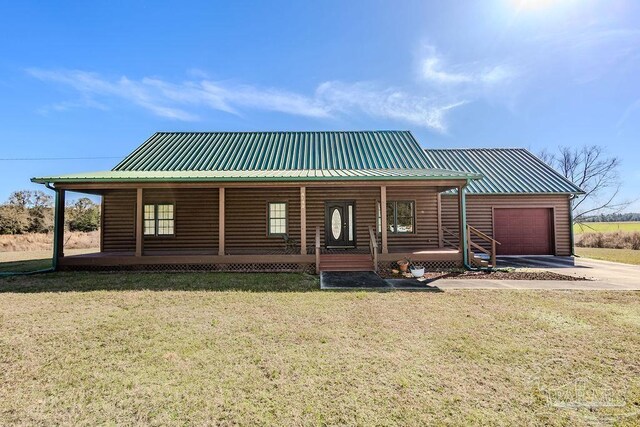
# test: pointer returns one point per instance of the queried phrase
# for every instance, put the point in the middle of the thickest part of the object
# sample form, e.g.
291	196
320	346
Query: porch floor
264	251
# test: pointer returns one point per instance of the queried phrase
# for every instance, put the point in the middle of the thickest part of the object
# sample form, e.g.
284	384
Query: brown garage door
526	231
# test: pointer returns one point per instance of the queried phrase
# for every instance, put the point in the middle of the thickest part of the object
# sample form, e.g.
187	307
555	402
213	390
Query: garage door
527	231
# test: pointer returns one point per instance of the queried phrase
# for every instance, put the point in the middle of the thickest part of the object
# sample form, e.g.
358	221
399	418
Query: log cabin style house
312	201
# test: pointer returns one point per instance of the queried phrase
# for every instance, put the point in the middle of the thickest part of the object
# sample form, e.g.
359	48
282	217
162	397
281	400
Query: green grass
605	227
24	261
196	349
627	256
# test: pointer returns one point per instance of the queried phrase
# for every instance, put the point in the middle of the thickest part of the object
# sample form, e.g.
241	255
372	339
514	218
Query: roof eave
60	180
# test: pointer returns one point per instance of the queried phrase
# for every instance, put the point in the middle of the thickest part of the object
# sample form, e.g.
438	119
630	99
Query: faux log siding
365	198
246	216
119	234
426	217
479	214
196	220
449	206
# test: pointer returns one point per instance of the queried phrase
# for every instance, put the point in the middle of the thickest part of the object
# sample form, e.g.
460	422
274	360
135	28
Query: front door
340	224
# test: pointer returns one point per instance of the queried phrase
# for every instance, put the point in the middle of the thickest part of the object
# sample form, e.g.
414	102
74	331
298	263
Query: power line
20	159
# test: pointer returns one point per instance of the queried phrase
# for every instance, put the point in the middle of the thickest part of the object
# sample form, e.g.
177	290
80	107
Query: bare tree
591	169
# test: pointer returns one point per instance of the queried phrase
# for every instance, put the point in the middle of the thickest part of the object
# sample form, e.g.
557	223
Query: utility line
19	159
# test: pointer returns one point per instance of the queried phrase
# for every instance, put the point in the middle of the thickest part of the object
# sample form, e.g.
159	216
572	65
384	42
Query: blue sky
81	79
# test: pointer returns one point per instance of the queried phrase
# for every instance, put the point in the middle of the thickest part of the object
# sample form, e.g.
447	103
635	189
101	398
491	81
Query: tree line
614	217
29	211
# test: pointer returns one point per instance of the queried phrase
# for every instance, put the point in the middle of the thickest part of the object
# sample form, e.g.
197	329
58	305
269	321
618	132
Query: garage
524	231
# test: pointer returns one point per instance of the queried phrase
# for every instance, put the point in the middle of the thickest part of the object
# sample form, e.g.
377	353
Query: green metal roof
272	156
504	171
274	176
252	151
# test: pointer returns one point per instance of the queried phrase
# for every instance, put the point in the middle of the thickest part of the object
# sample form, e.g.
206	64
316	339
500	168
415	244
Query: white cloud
433	69
180	101
389	103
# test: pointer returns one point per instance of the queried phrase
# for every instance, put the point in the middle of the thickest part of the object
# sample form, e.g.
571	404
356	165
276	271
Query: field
627	256
268	349
44	242
605	227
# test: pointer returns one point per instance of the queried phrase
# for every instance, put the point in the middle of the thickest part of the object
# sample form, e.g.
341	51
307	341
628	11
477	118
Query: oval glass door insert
336	224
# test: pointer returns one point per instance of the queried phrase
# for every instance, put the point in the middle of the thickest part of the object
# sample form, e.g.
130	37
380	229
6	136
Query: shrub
615	240
13	220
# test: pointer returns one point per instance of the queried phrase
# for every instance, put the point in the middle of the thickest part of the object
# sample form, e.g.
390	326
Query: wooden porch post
139	222
383	217
303	220
221	221
59	223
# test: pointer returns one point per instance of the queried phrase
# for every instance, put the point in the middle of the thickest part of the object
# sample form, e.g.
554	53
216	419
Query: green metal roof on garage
504	171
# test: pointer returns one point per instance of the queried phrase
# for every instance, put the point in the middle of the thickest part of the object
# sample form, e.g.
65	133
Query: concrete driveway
603	275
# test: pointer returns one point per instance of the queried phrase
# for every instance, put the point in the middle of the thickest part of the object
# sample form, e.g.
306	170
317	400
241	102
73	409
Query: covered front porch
227	227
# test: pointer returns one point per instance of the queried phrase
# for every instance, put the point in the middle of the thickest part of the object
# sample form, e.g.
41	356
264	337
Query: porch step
478	261
352	262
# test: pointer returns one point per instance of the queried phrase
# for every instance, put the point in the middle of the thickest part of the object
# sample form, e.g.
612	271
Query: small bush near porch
193	349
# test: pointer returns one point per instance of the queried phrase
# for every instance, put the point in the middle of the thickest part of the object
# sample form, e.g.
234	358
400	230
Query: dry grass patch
305	358
616	240
44	241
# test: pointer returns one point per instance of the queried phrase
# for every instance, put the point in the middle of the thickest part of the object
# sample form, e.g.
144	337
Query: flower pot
417	271
404	265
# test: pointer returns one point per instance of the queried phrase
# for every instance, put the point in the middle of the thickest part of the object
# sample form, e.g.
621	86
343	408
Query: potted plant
417	271
404	264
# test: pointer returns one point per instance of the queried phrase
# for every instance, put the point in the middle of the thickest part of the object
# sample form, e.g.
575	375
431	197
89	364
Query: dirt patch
494	275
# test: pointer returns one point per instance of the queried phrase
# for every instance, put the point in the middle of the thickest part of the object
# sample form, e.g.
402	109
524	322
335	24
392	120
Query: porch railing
373	248
453	240
317	250
472	231
450	235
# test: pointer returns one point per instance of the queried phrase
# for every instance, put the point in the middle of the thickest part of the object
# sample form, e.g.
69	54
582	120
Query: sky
82	84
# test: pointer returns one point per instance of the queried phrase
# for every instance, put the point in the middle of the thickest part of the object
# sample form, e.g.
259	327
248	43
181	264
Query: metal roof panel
504	170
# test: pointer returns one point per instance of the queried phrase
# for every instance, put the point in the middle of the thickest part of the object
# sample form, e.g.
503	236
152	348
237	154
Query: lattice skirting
240	268
385	267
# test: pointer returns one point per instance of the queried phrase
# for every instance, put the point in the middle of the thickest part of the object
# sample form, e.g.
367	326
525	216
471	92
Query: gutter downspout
571	237
463	232
54	264
54	261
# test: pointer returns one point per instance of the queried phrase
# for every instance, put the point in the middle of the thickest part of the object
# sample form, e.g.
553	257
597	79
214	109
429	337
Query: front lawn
627	256
195	349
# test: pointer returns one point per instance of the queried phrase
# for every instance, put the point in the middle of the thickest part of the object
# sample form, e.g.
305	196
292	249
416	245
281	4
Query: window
158	220
277	219
400	217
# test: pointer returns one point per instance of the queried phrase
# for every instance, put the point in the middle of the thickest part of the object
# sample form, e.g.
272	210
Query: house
311	201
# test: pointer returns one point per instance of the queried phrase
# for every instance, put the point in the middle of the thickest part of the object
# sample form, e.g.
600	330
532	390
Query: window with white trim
277	218
400	217
159	220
